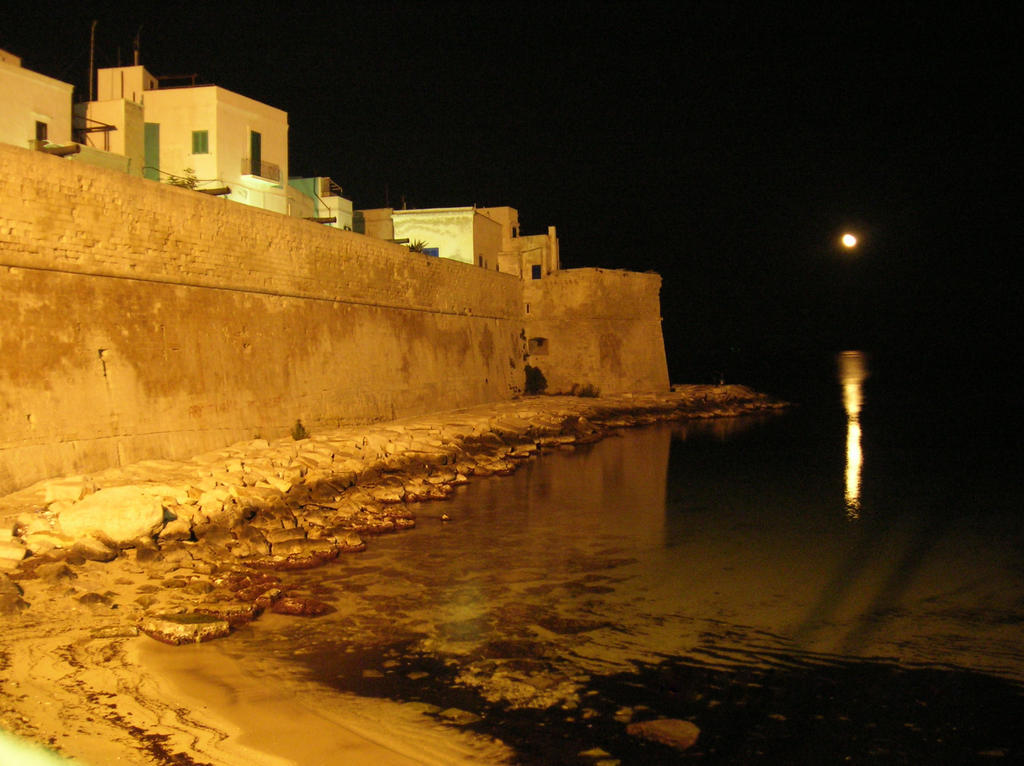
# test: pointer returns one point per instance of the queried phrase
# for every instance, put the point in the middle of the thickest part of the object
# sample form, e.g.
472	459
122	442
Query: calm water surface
840	583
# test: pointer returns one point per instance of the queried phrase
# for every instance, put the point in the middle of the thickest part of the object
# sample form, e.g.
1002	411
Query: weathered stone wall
140	320
597	327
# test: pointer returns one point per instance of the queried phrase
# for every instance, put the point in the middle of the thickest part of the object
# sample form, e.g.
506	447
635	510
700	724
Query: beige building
464	234
488	237
374	222
207	133
528	257
33	107
116	124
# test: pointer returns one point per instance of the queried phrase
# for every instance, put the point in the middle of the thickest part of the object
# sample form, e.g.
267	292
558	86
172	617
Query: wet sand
285	722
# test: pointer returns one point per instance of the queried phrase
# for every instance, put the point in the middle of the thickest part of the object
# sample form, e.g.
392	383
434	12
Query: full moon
849	241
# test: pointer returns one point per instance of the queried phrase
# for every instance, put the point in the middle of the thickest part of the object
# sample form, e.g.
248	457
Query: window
200	142
535	271
41	131
538	346
255	153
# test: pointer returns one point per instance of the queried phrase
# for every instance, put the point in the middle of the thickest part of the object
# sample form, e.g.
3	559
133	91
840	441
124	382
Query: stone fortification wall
140	320
595	327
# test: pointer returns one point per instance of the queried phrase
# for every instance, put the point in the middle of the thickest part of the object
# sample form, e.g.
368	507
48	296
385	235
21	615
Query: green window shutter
152	157
200	142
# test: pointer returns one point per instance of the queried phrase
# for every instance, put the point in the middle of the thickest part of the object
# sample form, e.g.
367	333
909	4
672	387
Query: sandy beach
78	674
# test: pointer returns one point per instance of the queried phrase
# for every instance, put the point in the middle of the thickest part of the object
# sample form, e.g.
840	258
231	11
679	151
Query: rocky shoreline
188	551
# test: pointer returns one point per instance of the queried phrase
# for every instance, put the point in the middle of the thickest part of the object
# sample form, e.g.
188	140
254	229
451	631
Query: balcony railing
268	171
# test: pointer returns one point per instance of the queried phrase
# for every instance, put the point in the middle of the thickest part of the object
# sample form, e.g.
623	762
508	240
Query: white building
201	135
33	107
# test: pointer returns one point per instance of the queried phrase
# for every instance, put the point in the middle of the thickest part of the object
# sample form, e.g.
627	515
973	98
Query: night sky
723	145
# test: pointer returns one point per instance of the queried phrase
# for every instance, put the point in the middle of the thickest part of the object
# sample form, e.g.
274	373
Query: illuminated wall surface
450	230
126	141
142	320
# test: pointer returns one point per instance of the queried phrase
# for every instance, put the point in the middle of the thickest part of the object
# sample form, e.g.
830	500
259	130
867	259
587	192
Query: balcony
261	172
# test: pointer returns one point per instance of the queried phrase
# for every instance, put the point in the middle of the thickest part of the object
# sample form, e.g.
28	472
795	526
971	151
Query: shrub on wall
536	383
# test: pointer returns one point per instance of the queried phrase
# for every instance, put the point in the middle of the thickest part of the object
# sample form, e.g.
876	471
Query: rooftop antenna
92	59
136	46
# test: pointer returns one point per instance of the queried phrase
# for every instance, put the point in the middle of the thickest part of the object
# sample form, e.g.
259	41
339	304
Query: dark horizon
724	147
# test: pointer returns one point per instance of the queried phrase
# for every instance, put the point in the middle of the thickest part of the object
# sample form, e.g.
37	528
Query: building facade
488	237
320	199
463	234
33	107
202	136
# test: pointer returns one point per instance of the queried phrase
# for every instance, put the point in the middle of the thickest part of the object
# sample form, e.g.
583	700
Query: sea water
844	580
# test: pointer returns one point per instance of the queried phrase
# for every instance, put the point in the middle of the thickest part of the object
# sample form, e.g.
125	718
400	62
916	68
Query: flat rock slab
178	629
120	514
668	731
13	550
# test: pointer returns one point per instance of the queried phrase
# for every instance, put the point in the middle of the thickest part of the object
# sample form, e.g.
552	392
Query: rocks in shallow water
599	757
295	561
568	626
668	731
502	682
255	590
459	717
422	707
179	629
247	585
303	547
300	606
513	648
267	598
232	612
346	540
116	631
